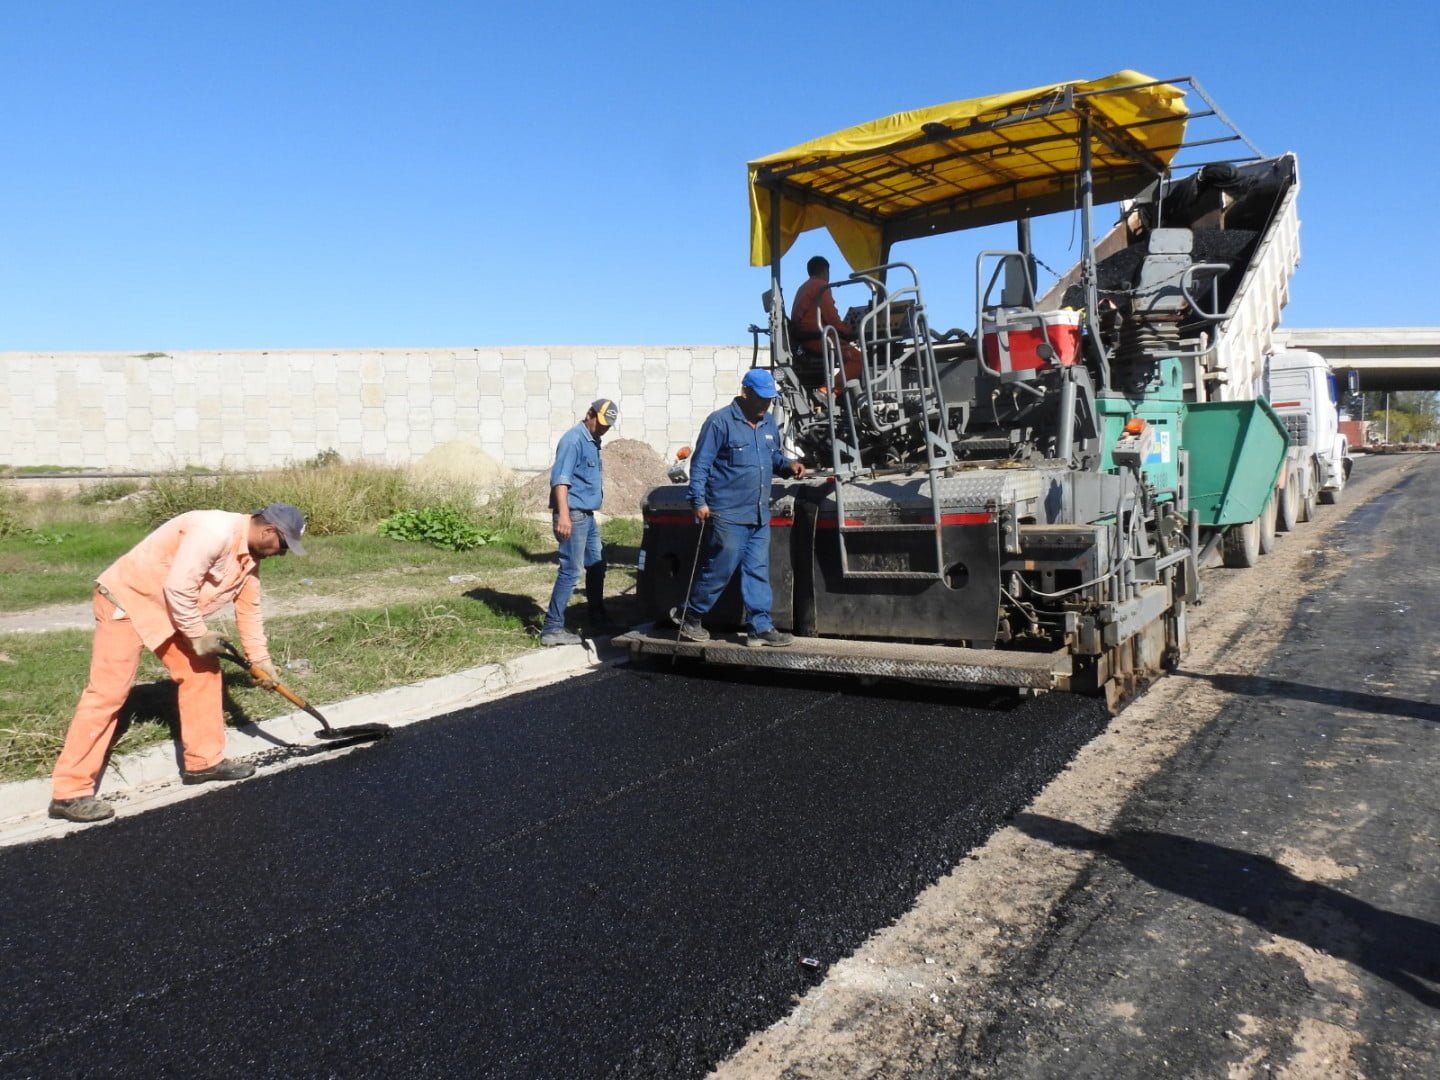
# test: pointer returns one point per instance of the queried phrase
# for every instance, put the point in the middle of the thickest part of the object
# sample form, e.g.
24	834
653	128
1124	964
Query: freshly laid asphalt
1271	901
620	875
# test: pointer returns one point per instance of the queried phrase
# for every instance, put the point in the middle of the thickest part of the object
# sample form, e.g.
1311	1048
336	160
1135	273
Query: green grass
349	652
622	532
58	562
41	676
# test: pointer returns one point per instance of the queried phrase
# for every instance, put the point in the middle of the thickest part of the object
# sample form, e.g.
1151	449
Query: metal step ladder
899	388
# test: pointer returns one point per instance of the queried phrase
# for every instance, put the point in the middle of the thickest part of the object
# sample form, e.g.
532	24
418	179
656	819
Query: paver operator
157	596
735	456
577	488
813	311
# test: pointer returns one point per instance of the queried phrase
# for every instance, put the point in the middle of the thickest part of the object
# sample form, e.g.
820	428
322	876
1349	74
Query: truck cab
1302	391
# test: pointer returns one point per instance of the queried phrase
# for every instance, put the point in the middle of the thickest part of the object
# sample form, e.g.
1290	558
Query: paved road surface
620	875
1274	896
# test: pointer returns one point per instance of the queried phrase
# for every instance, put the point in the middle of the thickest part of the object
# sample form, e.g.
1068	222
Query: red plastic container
1062	331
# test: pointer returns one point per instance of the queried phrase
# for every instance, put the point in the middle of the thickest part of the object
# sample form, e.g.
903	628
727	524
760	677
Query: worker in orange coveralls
156	596
813	310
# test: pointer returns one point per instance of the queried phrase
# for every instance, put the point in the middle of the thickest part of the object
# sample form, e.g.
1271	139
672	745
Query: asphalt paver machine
1024	502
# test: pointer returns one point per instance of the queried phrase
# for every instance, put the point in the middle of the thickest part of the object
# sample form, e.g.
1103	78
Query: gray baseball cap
606	412
288	521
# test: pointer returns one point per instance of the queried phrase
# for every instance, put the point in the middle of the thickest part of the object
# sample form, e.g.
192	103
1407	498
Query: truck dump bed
1253	227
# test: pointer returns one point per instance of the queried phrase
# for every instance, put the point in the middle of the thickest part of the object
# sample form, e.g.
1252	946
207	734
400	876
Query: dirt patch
1314	867
632	468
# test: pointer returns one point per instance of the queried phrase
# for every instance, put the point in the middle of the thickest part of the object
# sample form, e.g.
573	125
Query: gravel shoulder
958	986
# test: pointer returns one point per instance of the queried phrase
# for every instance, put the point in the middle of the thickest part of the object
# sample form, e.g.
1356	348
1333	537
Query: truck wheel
1307	500
1288	502
1241	545
1269	522
1331	496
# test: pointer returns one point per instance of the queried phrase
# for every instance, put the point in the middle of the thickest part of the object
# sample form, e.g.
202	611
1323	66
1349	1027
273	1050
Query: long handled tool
353	732
694	566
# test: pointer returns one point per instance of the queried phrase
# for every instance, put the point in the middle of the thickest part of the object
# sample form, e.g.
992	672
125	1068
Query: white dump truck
1302	391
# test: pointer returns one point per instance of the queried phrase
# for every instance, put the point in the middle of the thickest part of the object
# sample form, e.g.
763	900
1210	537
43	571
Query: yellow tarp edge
861	241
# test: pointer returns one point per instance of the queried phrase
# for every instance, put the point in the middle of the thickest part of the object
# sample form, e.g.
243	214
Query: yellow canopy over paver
968	163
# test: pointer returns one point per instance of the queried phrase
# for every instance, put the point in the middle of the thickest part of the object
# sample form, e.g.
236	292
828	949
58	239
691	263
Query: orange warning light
1134	426
682	453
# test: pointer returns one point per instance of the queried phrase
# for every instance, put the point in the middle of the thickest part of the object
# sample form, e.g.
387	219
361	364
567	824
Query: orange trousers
851	360
113	663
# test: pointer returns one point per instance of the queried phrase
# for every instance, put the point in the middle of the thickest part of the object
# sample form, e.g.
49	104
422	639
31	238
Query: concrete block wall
255	409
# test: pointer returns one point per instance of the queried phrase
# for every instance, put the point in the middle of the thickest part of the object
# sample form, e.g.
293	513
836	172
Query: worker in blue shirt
577	487
737	453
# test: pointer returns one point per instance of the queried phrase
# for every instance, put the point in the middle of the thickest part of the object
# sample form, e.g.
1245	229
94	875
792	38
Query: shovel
354	731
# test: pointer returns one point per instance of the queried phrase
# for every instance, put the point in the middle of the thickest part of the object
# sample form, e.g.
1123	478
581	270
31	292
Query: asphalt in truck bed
620	875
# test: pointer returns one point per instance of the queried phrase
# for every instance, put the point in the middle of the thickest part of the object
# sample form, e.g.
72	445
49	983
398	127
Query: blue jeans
748	548
581	550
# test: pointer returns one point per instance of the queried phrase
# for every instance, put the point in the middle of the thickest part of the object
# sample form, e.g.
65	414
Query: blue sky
376	173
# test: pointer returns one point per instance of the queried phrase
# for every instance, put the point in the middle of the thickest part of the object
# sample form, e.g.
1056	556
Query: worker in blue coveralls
737	453
577	487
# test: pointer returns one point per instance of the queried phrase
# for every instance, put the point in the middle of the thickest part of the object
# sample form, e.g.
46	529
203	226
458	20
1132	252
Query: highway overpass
1388	358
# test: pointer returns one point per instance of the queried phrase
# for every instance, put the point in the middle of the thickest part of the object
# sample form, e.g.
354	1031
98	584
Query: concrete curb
151	778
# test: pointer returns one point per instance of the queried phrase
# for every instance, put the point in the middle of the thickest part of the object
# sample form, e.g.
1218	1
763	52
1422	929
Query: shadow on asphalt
1398	948
1259	686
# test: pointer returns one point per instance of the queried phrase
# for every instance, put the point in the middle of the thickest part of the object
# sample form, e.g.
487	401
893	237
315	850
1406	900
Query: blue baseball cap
760	382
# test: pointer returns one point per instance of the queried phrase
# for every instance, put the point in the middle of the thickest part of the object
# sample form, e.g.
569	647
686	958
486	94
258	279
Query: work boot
224	770
559	637
690	628
775	638
84	808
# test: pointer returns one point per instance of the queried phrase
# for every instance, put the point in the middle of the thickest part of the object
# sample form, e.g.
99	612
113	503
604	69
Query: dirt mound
632	468
462	463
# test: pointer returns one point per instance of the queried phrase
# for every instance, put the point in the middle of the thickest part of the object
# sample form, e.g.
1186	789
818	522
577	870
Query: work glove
208	644
265	675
